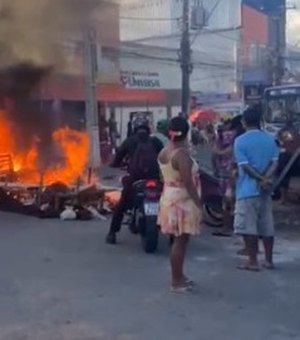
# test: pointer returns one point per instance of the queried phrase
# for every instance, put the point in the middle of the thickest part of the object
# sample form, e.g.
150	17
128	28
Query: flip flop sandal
248	267
189	282
242	252
182	289
269	266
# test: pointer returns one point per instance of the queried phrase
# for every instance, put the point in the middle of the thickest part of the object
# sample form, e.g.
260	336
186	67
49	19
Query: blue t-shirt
258	149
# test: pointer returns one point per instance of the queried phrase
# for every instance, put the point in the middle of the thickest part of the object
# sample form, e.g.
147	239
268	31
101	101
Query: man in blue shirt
256	155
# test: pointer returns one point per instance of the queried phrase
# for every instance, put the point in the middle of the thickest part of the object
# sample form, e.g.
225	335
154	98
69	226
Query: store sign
140	80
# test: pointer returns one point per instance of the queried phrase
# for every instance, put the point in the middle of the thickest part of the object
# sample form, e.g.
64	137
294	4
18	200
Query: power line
196	80
203	63
208	64
227	37
208	60
119	52
149	19
169	61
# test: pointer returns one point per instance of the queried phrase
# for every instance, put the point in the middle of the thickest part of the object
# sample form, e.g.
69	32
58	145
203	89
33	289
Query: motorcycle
142	219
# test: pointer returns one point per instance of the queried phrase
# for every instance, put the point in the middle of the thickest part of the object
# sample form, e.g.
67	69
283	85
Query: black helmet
141	123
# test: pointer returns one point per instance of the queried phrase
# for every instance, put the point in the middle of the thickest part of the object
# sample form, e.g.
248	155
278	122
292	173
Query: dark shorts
254	216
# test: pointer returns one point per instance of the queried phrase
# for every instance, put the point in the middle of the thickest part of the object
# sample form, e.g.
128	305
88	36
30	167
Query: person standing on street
113	131
256	154
162	131
225	171
180	210
129	125
195	135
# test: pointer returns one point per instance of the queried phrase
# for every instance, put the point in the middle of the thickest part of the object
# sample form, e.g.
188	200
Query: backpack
144	161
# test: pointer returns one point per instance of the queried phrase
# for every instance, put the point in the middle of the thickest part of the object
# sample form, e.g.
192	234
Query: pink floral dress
178	213
224	164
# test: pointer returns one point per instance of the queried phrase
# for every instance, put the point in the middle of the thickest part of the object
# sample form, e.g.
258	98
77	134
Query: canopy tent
203	115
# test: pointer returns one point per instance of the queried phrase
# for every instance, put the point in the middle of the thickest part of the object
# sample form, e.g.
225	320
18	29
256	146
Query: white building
150	32
142	19
154	27
292	65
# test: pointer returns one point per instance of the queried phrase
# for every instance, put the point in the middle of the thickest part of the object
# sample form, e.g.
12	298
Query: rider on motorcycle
130	149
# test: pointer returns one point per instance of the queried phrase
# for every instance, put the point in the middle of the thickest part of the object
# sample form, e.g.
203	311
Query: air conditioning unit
198	17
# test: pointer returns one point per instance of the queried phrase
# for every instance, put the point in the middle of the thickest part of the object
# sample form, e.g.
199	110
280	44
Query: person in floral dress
180	206
225	170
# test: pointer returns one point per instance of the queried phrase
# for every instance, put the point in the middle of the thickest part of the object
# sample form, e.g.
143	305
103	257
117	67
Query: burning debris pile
57	201
36	153
42	162
30	157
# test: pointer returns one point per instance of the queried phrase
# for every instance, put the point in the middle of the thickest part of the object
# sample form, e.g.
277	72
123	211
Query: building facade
263	45
143	19
155	26
68	83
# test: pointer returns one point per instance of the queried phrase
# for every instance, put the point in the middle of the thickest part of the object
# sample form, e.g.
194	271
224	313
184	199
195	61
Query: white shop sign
140	80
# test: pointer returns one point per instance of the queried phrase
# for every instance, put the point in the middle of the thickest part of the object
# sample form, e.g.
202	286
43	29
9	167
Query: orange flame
73	145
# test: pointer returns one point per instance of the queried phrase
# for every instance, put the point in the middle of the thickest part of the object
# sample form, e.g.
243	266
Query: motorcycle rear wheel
149	234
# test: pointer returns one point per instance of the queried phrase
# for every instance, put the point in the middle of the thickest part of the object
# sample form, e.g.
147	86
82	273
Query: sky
293	23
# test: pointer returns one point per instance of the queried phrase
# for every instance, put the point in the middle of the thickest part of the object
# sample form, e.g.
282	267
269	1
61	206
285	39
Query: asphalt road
59	281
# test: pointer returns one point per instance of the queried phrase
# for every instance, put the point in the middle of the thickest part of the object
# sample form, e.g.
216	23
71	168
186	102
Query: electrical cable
197	64
208	77
226	37
208	61
149	19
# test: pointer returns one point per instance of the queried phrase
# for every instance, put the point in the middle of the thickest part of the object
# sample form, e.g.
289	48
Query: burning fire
73	149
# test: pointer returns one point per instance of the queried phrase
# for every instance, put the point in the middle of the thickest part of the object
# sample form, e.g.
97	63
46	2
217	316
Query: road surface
59	281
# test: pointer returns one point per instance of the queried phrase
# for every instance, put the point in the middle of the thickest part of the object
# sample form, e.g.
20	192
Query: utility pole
278	58
279	23
91	103
186	64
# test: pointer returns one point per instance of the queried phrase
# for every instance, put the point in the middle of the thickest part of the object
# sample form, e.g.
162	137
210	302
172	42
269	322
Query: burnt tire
212	216
149	234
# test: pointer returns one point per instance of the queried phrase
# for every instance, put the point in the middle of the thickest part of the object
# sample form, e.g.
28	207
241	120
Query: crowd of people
245	171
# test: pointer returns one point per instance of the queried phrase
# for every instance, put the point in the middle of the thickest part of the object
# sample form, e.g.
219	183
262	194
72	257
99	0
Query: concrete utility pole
279	25
185	54
91	108
278	61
